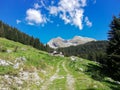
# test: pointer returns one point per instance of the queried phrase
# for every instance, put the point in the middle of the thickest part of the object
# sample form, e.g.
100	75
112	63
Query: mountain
27	68
60	42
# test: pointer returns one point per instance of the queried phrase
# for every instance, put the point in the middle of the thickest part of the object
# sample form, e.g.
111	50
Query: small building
55	53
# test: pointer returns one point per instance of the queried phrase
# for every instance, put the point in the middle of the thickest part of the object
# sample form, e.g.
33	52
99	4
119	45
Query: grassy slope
58	69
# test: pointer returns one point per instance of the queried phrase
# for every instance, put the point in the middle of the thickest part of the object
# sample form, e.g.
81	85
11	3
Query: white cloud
36	6
34	16
78	18
88	23
53	10
30	23
43	4
18	21
65	18
70	11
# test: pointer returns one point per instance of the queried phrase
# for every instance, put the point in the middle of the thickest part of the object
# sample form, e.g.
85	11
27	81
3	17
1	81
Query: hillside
23	67
12	33
94	50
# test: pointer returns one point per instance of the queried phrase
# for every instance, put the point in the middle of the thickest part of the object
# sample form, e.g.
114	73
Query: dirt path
70	78
51	79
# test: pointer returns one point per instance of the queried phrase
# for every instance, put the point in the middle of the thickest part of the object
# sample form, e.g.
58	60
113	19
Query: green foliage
15	49
14	34
113	50
3	49
93	50
7	70
94	71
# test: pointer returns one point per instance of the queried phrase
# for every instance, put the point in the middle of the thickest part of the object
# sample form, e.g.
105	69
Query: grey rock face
77	40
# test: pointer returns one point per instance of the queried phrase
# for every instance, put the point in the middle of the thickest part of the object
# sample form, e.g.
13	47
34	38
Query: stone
23	49
9	51
95	86
3	63
43	71
20	59
16	66
81	69
73	58
117	82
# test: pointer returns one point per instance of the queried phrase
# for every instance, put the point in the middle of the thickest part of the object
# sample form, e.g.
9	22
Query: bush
3	49
15	49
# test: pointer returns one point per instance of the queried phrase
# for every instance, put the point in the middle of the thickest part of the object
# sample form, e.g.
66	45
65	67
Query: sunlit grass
85	72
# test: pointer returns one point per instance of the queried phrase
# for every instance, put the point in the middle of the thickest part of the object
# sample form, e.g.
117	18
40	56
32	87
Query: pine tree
37	43
32	41
14	34
113	50
2	34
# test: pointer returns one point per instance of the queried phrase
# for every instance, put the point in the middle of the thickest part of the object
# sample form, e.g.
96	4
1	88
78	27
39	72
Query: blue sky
47	19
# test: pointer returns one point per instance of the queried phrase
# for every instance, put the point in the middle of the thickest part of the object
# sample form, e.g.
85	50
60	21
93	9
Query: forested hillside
14	34
93	50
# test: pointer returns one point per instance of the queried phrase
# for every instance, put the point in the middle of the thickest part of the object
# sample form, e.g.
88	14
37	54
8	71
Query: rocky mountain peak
76	40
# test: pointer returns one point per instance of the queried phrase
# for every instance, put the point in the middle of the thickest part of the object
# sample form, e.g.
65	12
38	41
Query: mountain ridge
76	40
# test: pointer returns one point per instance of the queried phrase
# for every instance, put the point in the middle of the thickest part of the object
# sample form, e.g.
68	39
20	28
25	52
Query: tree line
14	34
94	50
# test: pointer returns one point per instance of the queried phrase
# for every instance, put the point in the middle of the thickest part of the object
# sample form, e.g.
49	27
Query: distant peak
59	38
76	37
76	40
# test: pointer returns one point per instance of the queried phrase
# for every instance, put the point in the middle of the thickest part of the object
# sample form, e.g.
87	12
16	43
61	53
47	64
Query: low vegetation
29	68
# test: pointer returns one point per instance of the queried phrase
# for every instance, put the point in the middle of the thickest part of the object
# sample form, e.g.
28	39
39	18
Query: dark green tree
94	51
14	34
113	50
32	41
37	43
2	34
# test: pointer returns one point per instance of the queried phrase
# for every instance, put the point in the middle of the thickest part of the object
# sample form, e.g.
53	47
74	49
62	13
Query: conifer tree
2	34
14	34
113	50
37	43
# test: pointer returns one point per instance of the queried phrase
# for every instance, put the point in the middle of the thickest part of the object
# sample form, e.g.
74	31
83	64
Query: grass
91	76
8	70
36	58
89	79
58	84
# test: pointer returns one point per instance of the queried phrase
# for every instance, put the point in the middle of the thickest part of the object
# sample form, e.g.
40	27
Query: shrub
3	49
15	49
